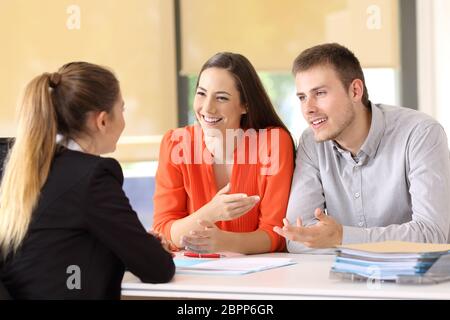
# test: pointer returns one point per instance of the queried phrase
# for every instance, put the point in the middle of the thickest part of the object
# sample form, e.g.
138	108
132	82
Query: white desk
308	279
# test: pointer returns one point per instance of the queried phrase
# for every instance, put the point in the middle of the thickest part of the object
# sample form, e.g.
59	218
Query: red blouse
185	180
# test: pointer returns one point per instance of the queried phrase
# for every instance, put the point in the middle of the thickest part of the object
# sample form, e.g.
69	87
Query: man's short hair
343	61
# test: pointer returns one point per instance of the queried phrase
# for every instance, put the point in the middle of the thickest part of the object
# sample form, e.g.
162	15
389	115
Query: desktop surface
308	279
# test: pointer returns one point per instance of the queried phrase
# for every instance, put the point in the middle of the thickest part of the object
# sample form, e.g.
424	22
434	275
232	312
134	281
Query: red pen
201	255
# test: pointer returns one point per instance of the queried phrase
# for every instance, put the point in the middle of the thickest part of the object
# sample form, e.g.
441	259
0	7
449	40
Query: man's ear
356	90
101	121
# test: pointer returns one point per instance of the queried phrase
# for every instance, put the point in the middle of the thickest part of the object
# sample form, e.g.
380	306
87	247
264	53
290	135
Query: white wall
433	47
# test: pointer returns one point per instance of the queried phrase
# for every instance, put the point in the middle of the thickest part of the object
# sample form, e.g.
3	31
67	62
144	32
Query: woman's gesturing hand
226	206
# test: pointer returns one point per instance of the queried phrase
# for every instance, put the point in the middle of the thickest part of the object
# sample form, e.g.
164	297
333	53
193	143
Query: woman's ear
101	121
244	109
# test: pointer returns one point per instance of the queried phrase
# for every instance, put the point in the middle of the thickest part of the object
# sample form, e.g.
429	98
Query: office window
272	33
135	38
139	186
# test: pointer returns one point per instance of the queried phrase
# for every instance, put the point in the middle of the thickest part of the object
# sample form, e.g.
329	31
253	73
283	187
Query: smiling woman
217	103
208	206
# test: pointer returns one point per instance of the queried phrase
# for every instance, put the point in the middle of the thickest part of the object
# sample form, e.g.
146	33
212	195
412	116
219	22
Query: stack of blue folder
387	260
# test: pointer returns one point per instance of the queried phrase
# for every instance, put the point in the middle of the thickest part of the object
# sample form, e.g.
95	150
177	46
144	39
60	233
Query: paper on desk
180	262
398	247
233	266
387	260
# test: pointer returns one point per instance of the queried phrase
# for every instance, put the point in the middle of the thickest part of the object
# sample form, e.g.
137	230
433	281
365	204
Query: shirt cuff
166	232
353	235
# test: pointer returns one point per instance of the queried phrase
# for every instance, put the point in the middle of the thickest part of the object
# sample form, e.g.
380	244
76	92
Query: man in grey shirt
364	172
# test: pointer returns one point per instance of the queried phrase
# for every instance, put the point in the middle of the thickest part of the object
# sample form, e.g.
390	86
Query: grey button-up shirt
396	188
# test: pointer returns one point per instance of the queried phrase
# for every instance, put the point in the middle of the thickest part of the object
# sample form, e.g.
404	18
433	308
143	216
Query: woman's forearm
246	242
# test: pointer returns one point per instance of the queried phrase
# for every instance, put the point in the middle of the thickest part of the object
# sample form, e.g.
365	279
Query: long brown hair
53	103
260	111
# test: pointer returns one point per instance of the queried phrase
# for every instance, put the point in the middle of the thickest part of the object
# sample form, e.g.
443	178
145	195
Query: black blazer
83	232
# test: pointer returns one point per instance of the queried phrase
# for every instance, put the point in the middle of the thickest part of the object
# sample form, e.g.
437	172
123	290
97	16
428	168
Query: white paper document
229	266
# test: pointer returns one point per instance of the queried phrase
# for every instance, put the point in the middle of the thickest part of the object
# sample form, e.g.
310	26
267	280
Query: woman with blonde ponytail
67	230
28	165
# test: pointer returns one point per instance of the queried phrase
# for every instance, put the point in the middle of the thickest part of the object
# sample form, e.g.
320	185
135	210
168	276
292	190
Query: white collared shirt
69	144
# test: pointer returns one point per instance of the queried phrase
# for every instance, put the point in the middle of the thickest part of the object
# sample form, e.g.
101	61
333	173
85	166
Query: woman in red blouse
223	183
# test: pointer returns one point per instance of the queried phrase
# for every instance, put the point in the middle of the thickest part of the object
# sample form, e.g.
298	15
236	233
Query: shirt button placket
357	195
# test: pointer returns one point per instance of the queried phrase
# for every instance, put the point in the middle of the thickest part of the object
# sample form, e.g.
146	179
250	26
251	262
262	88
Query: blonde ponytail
28	164
53	103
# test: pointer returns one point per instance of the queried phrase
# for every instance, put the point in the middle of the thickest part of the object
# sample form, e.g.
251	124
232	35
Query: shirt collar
68	143
376	132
